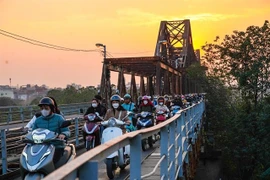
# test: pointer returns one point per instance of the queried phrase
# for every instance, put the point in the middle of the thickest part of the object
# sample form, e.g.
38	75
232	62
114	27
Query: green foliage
238	108
6	101
70	95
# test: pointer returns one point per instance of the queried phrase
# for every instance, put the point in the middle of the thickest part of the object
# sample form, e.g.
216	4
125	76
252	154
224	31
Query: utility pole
105	85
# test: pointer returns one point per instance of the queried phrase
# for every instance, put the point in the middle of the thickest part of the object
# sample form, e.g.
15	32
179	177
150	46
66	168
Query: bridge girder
165	71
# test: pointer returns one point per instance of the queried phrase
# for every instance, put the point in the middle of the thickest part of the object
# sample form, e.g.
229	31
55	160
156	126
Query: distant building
6	91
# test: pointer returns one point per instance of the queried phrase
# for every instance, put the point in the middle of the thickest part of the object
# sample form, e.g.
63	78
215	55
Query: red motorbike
91	130
161	116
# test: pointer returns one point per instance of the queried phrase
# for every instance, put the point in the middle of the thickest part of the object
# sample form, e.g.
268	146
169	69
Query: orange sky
125	27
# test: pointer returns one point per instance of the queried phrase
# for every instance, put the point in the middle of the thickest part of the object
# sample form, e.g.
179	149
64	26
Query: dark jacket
177	102
149	107
100	109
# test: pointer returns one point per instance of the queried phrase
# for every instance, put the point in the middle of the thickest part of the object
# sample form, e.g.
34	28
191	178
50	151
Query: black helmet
47	101
116	98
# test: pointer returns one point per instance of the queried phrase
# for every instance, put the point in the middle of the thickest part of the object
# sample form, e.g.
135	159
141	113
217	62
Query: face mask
145	102
94	105
115	105
45	112
161	103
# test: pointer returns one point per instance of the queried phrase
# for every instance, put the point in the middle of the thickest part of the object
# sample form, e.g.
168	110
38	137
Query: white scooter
119	158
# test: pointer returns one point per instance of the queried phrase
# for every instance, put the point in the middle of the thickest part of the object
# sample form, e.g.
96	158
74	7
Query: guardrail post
77	131
164	151
172	150
89	171
180	123
4	151
135	157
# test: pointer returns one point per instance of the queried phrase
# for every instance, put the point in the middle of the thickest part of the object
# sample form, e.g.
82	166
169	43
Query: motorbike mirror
81	110
65	124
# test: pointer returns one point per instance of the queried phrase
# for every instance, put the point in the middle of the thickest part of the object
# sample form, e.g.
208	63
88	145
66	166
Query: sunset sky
126	27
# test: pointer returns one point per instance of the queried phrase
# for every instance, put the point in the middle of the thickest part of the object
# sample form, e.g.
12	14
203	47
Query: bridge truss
165	72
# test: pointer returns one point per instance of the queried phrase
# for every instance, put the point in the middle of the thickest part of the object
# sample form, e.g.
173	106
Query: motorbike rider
98	109
161	105
117	111
129	106
52	121
177	101
146	105
167	101
30	124
96	106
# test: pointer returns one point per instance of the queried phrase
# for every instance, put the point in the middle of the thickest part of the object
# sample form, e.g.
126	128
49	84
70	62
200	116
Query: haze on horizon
127	28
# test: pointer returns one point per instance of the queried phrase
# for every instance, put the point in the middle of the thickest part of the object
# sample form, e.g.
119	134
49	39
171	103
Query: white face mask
145	102
115	105
161	103
94	105
45	112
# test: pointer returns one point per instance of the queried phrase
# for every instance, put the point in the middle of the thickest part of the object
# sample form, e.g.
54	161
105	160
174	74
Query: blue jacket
129	107
52	123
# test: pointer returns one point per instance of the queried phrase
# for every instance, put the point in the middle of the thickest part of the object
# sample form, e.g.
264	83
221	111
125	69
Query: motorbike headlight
39	138
112	122
144	114
91	117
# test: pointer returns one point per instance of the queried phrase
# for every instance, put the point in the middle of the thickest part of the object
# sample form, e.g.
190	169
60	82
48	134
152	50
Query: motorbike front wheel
110	168
144	144
90	144
150	141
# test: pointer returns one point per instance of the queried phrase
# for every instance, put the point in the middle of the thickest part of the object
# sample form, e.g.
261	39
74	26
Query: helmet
127	96
166	96
145	98
161	98
47	101
116	98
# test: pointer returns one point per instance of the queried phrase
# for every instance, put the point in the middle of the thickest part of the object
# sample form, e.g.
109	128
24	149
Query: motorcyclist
129	106
117	111
96	106
99	110
51	121
177	101
167	101
30	124
146	105
161	105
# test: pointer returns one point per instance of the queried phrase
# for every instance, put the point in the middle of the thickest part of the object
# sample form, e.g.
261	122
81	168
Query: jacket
129	107
100	109
118	114
52	123
149	107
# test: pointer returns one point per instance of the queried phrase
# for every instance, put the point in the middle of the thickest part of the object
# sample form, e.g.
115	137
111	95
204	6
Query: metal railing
181	130
18	114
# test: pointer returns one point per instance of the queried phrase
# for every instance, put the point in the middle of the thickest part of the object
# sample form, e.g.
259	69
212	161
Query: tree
240	63
6	101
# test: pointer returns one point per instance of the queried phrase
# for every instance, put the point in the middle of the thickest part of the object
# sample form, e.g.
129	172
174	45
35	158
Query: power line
39	43
56	47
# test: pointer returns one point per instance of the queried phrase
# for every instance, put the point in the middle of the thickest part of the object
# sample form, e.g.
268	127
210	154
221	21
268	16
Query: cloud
211	17
138	17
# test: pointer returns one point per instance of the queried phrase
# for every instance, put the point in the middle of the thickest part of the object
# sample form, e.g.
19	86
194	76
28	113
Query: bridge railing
17	114
177	135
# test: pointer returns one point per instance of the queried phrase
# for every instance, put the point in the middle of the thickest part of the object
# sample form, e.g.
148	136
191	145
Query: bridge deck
149	164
